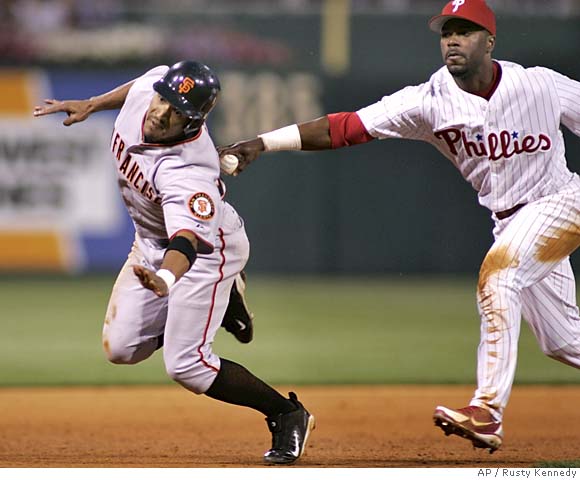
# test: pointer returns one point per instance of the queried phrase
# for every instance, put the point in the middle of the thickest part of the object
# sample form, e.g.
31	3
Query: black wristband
183	245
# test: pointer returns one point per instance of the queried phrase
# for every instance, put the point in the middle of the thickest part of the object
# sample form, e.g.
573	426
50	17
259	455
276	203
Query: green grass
308	330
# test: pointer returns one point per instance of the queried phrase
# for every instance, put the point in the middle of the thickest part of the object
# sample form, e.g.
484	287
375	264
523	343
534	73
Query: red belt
509	212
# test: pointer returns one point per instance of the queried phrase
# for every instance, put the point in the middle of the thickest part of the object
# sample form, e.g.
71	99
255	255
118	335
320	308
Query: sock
234	384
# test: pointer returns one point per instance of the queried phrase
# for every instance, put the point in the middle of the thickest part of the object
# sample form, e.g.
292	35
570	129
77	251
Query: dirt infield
382	426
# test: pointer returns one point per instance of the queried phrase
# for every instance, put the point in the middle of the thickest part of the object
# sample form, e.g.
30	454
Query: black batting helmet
192	88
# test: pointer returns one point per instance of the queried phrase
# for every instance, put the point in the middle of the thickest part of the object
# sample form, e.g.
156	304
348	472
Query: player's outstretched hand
76	110
151	281
247	151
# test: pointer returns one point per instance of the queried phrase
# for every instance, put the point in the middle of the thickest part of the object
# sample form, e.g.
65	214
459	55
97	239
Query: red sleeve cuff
346	129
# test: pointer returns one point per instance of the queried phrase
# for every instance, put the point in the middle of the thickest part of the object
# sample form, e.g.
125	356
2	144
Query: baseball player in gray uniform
190	245
500	125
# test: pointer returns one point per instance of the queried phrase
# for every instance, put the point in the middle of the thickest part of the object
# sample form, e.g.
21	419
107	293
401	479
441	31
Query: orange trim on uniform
199	239
221	270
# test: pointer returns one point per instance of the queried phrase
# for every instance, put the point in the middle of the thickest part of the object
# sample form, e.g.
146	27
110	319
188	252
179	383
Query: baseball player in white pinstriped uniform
499	124
190	245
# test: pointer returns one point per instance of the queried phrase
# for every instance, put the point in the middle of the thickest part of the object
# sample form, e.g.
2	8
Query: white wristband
167	277
285	138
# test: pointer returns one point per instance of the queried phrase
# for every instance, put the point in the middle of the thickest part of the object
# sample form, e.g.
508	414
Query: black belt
509	212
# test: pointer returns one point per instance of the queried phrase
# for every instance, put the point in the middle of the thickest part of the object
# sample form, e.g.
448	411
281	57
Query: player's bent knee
196	377
499	271
121	358
569	355
120	354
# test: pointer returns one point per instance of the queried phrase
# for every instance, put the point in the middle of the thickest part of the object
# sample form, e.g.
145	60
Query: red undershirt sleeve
346	129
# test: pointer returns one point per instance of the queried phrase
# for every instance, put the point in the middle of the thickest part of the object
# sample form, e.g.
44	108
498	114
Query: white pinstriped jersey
509	148
166	188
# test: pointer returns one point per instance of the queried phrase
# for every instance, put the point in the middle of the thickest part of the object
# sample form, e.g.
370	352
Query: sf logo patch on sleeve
201	205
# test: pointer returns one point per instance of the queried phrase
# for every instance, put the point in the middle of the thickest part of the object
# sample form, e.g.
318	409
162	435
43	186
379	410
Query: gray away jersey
166	188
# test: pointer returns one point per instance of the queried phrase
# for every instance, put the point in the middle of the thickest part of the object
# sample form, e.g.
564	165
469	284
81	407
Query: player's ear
490	43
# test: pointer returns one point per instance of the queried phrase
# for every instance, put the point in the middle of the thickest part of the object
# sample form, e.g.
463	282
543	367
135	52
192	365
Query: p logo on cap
475	11
456	4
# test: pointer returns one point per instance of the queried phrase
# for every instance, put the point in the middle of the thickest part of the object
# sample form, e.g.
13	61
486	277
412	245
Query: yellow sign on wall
56	183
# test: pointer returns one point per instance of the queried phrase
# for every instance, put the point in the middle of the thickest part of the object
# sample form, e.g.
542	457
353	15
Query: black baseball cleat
290	432
238	320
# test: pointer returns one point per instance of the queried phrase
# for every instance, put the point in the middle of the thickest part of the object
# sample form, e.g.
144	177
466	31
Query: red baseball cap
476	11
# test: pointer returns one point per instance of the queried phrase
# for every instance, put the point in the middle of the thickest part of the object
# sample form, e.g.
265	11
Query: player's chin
456	70
151	134
154	138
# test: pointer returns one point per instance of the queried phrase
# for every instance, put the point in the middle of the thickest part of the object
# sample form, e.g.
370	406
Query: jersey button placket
488	123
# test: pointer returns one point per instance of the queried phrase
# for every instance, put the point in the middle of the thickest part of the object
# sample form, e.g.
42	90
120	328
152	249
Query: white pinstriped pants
527	271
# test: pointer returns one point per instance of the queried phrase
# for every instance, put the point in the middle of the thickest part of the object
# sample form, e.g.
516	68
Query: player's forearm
311	135
111	100
180	255
335	130
176	262
324	133
315	134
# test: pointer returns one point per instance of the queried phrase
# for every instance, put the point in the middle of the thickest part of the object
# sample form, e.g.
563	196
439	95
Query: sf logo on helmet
456	4
186	85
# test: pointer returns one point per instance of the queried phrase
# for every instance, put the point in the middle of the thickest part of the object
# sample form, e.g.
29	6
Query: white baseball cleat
473	423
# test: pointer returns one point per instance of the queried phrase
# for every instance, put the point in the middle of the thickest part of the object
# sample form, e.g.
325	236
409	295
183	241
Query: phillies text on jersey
509	148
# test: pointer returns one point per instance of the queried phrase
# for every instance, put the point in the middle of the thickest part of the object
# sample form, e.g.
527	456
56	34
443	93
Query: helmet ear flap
199	117
193	126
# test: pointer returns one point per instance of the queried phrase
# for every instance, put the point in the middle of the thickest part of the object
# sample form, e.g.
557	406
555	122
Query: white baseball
229	163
